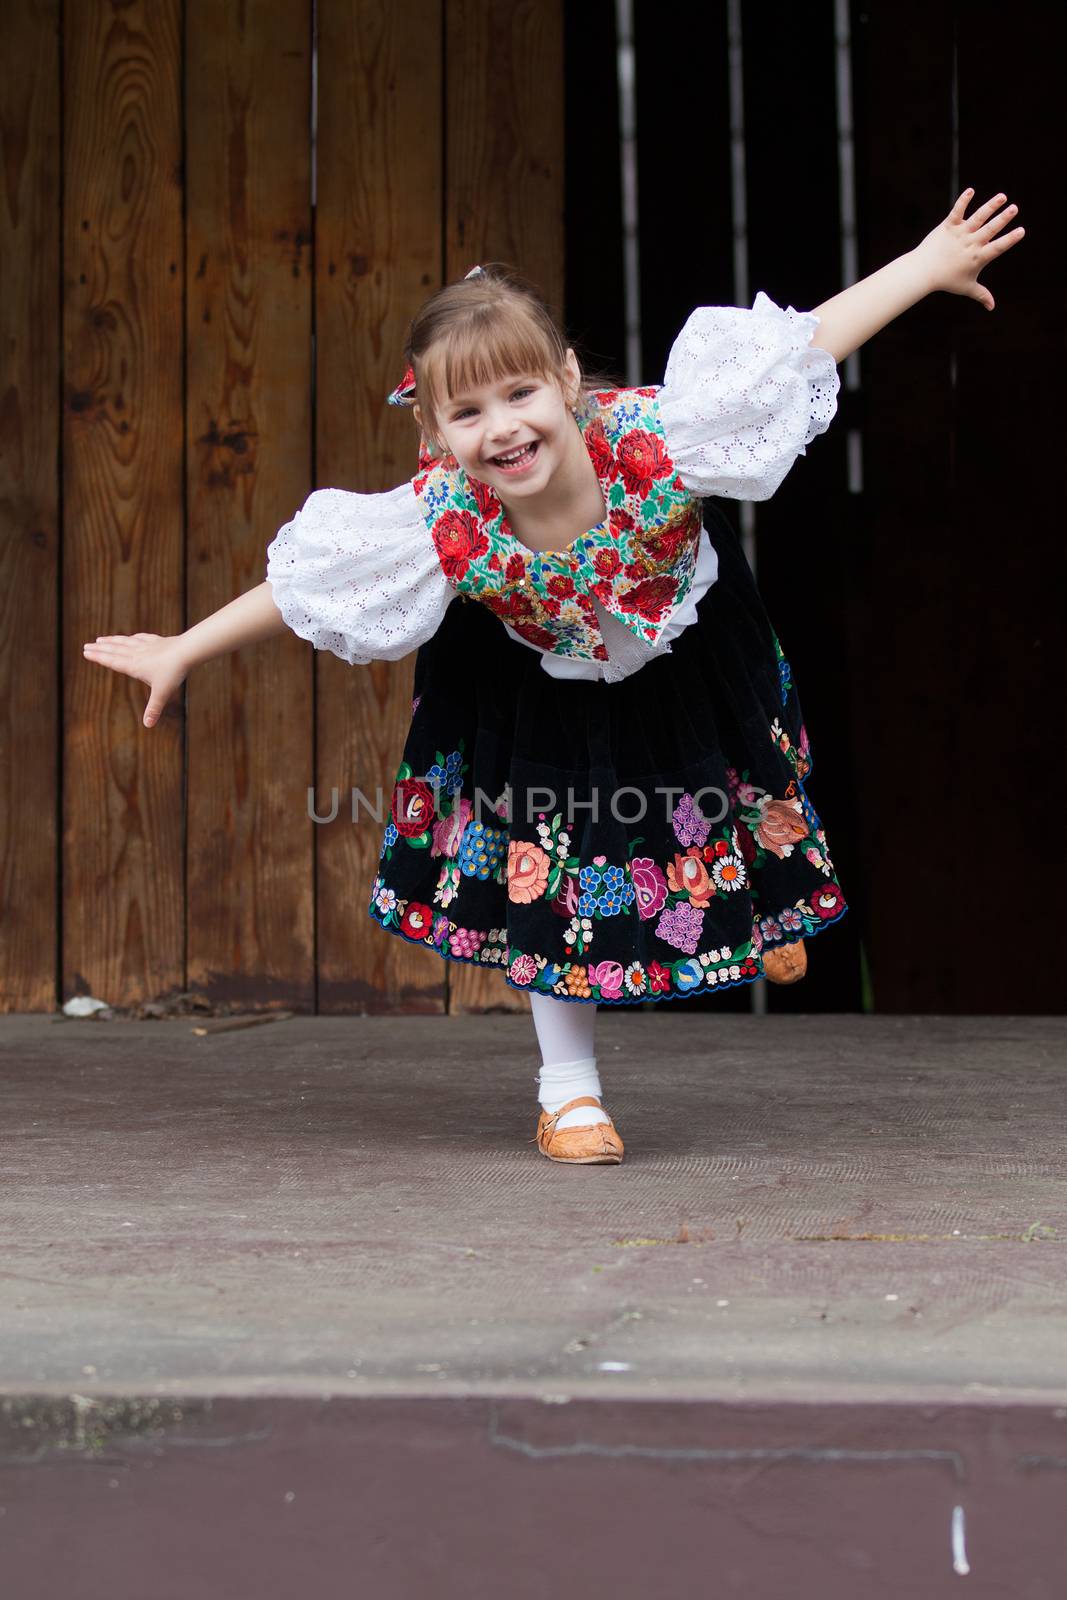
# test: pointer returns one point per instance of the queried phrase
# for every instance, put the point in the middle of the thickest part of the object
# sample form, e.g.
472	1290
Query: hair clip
405	393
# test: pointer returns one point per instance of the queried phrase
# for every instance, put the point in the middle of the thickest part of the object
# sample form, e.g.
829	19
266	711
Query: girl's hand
155	659
955	252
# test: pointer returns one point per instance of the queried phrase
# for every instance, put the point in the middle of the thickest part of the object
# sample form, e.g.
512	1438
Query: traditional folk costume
602	792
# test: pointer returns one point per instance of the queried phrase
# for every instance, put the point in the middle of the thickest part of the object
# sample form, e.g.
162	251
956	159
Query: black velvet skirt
609	843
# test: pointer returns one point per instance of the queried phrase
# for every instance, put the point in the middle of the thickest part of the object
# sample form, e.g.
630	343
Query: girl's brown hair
479	330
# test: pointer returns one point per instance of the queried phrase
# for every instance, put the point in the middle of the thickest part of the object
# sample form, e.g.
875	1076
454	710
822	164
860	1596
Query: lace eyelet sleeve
357	574
743	394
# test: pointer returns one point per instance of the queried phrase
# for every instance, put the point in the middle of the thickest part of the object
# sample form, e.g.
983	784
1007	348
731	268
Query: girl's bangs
471	359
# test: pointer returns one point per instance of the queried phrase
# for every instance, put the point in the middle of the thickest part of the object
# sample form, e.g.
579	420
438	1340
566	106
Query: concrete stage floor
817	1216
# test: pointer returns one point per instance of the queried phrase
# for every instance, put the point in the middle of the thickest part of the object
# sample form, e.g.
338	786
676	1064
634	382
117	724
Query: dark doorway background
920	609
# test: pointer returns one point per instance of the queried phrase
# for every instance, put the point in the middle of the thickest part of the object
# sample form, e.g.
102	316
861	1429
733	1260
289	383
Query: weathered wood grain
504	201
123	904
250	873
378	255
29	505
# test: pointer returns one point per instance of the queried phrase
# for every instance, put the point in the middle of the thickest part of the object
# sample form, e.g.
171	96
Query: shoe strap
554	1116
582	1100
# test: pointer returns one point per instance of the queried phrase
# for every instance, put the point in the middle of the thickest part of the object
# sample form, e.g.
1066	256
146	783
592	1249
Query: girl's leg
565	1031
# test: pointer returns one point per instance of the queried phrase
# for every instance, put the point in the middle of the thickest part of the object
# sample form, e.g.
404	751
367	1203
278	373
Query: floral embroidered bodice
638	563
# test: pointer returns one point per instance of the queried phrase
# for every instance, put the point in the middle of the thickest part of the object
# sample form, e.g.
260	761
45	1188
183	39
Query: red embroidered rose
412	807
515	568
651	598
601	592
486	499
553	607
559	584
600	452
621	522
494	562
606	563
664	544
541	637
514	604
416	920
600	652
827	901
642	457
458	539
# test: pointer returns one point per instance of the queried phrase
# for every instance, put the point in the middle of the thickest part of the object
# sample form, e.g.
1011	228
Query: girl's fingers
995	224
956	214
106	655
997	247
983	213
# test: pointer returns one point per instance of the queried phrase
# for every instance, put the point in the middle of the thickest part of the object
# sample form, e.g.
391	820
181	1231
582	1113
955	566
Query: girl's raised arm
164	661
950	258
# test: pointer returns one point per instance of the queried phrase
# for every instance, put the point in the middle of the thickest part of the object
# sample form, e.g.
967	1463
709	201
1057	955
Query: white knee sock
565	1032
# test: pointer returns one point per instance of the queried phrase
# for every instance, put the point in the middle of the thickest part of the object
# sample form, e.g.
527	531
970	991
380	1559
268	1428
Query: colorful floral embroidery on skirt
672	893
682	901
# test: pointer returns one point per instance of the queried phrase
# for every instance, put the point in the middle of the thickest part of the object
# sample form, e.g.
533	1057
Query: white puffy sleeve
743	393
358	574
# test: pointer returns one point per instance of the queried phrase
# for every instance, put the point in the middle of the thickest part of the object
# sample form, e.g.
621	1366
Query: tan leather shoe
595	1146
787	964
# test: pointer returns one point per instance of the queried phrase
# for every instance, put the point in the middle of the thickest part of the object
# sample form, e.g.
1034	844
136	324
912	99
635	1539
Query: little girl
602	791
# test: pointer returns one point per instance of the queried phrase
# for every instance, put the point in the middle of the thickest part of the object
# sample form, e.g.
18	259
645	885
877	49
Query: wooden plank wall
123	544
248	262
379	237
193	341
504	189
29	505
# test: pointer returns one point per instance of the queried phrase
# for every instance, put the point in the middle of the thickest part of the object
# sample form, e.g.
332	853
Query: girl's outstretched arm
165	661
950	258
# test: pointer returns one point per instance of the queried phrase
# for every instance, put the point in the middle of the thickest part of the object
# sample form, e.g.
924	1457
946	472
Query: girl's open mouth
517	462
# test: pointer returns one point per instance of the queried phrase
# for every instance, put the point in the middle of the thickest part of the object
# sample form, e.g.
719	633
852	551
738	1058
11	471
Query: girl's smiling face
513	433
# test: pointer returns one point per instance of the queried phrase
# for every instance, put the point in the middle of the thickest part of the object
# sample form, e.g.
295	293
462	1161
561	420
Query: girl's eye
460	415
